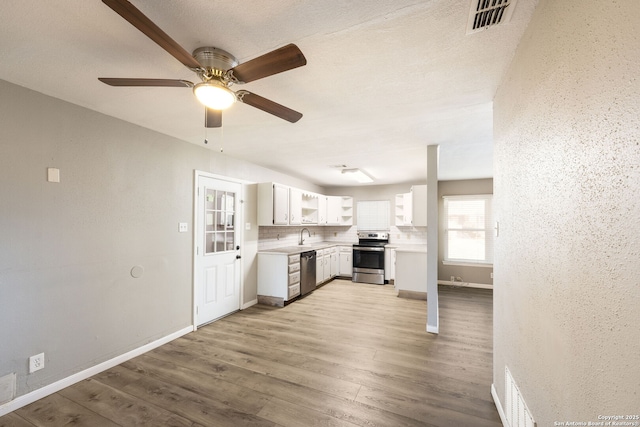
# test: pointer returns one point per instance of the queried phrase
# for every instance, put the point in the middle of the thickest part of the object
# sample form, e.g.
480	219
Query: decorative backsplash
273	237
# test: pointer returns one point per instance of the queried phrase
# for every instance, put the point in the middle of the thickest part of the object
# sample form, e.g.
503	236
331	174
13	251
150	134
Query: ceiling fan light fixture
214	95
357	175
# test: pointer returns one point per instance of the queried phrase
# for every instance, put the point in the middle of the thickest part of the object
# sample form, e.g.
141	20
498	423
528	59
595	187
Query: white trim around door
200	176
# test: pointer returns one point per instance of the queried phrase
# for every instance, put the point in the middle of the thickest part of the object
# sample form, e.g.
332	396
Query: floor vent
516	411
487	13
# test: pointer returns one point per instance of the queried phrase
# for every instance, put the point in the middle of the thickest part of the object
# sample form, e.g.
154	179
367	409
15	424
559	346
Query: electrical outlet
36	363
183	227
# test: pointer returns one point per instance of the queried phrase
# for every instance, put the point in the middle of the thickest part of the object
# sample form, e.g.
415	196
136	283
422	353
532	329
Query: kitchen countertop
409	248
296	249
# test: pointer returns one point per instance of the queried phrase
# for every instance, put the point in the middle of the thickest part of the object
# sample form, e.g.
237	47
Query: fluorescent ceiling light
214	95
358	175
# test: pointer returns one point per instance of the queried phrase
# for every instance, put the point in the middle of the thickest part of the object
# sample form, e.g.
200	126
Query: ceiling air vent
486	13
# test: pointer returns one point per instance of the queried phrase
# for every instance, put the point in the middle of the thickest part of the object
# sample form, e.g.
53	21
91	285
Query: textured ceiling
383	79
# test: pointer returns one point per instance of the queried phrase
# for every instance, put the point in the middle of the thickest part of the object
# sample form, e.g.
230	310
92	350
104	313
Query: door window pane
230	240
219	220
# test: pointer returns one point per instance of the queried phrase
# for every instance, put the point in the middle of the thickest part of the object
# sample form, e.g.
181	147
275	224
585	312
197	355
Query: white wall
67	249
566	185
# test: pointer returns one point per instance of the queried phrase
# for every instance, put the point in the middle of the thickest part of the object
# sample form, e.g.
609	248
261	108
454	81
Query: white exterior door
217	235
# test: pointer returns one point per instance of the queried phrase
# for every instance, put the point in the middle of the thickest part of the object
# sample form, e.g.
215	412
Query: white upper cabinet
295	206
411	207
282	205
346	210
310	209
334	209
322	210
273	204
419	205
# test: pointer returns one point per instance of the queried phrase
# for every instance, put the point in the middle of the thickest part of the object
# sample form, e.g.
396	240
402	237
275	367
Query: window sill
468	264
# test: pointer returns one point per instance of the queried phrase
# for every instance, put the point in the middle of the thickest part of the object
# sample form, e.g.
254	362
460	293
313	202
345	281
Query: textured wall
566	181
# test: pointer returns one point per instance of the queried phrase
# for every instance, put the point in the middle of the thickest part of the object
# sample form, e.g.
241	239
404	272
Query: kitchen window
468	230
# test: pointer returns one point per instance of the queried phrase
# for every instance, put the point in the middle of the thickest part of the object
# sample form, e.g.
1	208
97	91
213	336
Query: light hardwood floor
346	355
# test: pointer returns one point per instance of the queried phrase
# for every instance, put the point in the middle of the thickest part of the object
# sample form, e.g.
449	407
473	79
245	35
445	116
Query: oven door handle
362	248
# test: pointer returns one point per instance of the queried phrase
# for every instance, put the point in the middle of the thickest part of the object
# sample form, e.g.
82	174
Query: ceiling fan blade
268	106
145	82
283	59
212	118
151	30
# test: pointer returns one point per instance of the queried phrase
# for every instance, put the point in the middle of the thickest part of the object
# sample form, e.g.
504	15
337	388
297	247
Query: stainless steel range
368	257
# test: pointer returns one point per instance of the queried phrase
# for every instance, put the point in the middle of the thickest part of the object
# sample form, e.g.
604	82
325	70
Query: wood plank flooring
346	355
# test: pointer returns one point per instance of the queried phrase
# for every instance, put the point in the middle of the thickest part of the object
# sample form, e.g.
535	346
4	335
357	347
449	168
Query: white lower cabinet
334	261
411	271
346	261
389	264
323	265
279	273
319	266
326	265
278	277
294	291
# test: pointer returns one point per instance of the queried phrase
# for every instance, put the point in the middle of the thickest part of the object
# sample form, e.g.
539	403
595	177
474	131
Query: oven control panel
373	235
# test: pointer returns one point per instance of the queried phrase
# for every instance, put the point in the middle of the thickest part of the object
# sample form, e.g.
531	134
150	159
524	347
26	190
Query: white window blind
373	215
468	229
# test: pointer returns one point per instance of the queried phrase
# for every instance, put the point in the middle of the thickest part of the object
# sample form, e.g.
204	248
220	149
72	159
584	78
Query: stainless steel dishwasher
307	272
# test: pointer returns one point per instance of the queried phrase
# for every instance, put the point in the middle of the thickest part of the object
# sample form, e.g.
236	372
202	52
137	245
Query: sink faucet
301	241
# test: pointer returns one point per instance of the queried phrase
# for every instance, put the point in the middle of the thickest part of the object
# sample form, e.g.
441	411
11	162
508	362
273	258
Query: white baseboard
249	304
465	284
496	400
45	391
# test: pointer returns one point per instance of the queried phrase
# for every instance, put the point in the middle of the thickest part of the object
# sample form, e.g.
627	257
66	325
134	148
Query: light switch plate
183	227
53	175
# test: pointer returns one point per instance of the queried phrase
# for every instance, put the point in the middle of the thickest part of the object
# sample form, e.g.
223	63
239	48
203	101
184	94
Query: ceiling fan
216	68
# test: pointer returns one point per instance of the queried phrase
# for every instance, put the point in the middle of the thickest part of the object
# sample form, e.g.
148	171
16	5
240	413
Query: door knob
238	257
